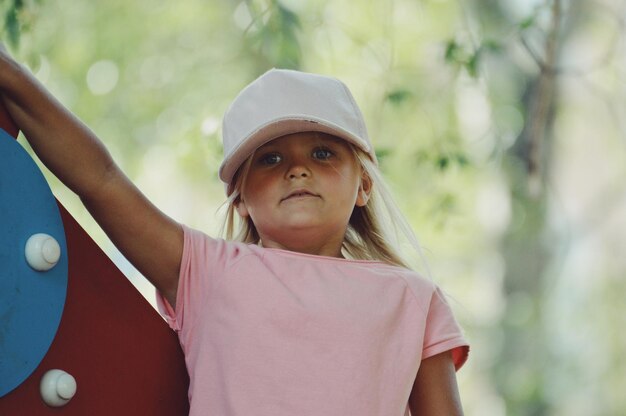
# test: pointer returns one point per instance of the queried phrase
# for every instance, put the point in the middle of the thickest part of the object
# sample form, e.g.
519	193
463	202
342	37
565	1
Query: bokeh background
500	126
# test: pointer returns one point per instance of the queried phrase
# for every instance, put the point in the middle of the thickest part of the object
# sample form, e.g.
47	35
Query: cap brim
282	127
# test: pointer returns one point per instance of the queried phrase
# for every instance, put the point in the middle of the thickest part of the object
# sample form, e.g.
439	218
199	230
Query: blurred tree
529	366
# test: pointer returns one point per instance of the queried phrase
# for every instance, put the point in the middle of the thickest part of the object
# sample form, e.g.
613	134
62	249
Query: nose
298	170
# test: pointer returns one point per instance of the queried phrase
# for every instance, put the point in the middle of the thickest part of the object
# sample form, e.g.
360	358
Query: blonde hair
374	231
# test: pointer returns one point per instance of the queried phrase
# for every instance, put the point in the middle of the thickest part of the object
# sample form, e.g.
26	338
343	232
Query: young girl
311	311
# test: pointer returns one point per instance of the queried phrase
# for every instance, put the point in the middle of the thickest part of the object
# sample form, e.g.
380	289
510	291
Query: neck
303	244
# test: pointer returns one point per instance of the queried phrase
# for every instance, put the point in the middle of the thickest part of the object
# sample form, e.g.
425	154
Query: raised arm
148	238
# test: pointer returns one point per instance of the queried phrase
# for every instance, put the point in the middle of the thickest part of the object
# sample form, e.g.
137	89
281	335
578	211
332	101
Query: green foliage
442	160
18	17
464	56
382	154
273	33
398	96
11	21
532	20
446	160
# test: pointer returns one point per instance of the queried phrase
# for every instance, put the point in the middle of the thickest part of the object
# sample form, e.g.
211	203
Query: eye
269	159
322	153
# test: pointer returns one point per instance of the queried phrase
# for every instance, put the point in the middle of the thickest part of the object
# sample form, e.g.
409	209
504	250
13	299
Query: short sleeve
443	333
202	261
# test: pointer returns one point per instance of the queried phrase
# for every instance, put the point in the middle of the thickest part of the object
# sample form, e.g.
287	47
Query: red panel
125	358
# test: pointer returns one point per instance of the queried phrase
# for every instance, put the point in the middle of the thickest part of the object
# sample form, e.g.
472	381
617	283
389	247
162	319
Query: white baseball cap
282	102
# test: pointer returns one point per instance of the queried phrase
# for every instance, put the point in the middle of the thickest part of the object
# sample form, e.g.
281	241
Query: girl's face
301	190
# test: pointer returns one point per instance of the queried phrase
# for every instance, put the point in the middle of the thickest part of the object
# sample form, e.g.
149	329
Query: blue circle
31	302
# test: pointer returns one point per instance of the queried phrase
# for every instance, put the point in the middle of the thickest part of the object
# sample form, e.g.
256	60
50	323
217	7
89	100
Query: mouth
300	193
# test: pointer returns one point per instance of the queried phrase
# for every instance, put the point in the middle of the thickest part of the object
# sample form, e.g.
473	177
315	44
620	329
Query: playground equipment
76	337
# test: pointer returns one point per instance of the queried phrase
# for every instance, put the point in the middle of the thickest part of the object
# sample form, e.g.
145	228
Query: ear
241	208
365	189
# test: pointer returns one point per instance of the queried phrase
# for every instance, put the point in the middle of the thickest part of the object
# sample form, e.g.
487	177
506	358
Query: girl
310	311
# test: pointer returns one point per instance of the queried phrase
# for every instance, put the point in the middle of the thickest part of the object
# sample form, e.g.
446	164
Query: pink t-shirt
276	333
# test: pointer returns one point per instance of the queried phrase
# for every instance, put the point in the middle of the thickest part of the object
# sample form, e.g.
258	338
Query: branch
534	55
542	103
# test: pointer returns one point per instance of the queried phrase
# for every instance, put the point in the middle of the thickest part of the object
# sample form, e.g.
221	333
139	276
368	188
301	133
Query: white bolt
57	388
42	252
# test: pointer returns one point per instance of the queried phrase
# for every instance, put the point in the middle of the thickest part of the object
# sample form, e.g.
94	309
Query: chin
295	226
284	230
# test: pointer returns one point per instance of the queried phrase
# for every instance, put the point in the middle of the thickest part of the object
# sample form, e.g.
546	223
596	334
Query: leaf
462	160
451	55
527	22
472	64
289	18
442	162
491	45
447	160
400	95
382	154
12	22
12	27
